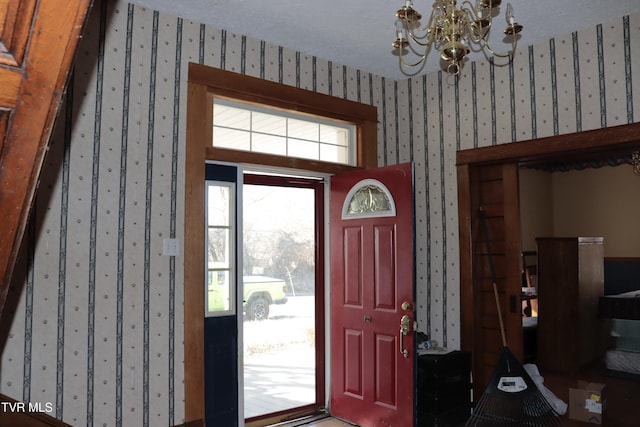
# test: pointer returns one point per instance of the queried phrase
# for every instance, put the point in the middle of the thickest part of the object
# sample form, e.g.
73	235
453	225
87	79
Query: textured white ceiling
359	33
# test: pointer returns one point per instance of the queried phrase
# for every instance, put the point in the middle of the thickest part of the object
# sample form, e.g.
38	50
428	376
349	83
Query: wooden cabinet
570	283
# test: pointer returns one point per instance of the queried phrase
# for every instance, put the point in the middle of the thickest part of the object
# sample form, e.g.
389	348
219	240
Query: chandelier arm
432	17
472	32
475	35
418	38
471	9
421	57
509	54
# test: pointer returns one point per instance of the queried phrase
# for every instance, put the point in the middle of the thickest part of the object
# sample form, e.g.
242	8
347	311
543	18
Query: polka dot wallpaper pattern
97	310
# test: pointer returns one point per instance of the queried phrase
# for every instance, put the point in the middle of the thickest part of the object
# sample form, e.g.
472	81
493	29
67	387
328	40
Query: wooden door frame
203	84
575	146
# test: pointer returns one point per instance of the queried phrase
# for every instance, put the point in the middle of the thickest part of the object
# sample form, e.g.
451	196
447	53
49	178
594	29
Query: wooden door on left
38	40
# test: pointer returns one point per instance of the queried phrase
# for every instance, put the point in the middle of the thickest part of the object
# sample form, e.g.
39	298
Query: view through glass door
283	338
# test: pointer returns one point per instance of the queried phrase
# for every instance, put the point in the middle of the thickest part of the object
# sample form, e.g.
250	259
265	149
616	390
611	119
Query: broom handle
495	292
493	273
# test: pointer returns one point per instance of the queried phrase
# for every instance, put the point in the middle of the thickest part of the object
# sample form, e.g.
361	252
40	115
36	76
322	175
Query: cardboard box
587	402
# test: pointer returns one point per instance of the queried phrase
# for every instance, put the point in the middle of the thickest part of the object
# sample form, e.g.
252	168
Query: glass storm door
283	327
372	297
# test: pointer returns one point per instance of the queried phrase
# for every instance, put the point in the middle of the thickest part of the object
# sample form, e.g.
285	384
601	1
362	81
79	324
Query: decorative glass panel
368	198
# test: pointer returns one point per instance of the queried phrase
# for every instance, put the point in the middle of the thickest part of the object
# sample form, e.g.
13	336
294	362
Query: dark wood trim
622	259
367	144
466	258
469	162
553	146
245	157
195	423
194	267
259	91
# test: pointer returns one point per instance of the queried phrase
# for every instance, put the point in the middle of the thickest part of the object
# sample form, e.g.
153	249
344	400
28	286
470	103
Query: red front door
372	294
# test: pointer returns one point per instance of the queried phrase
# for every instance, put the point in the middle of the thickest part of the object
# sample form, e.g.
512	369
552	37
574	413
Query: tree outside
279	236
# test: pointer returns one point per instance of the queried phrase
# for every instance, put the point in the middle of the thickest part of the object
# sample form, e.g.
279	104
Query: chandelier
454	31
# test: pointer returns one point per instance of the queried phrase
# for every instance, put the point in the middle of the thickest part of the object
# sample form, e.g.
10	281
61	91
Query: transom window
261	129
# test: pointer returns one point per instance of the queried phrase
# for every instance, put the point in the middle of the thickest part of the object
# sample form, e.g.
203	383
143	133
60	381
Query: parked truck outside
259	292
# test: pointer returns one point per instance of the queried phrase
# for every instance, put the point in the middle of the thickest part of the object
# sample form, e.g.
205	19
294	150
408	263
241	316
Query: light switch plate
170	247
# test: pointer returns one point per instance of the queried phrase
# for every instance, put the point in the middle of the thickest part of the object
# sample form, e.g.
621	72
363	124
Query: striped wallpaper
97	320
